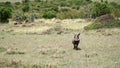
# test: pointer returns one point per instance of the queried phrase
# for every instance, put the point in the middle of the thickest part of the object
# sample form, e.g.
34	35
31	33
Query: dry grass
2	49
11	0
98	49
48	26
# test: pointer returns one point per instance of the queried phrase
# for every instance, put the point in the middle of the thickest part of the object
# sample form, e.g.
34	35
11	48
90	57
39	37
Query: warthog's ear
78	34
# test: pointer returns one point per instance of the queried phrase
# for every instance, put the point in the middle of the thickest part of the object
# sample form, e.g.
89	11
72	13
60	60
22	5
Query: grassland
99	48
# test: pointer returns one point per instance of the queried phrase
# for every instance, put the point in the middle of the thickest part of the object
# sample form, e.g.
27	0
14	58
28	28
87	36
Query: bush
17	3
37	0
5	14
49	15
7	3
26	8
98	9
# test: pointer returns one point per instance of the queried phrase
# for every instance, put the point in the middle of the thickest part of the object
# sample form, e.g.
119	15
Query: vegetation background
38	33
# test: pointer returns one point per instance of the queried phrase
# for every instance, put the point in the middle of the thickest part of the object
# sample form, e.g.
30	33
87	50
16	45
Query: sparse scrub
64	9
5	63
49	31
19	17
116	13
57	27
85	11
71	14
107	24
13	52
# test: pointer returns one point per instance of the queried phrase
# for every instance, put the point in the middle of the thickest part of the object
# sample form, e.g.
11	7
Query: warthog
76	41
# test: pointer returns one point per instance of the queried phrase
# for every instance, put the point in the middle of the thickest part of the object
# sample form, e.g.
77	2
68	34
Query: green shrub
7	3
17	3
75	7
64	9
98	9
118	22
37	0
25	8
5	14
93	26
49	15
115	5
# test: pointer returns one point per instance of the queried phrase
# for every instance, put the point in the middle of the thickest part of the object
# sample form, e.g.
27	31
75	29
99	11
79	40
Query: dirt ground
29	45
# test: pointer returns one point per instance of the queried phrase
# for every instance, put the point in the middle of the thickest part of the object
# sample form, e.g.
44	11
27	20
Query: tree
5	14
